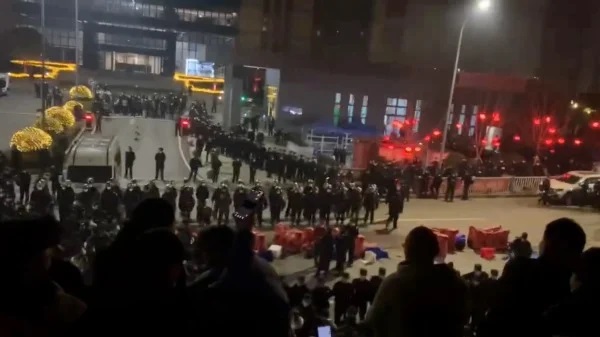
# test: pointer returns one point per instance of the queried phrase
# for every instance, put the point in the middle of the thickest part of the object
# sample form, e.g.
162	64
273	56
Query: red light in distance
577	142
517	138
561	141
548	141
537	121
482	117
436	133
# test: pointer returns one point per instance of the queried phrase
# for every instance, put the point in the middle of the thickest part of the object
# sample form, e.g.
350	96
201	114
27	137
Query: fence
493	186
326	144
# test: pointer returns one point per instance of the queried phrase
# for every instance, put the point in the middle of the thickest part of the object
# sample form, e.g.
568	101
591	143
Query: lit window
461	119
451	115
336	109
395	114
473	121
363	110
350	108
417	117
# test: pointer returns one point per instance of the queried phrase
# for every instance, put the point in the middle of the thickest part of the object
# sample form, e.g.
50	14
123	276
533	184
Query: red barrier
451	233
443	244
488	253
260	242
494	237
359	246
281	228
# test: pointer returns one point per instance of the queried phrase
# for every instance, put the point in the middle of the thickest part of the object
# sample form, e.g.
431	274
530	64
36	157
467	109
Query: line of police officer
156	106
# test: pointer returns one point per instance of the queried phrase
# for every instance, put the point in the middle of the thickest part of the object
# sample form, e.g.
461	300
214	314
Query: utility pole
43	85
76	42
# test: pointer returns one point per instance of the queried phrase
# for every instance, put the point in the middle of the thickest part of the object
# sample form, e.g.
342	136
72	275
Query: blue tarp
354	130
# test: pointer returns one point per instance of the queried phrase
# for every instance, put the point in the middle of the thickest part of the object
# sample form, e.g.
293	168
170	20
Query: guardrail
491	186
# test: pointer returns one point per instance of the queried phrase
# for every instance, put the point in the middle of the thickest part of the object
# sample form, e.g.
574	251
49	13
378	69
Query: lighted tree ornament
31	139
62	115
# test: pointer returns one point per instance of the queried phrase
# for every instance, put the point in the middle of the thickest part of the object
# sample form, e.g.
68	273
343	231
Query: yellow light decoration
80	92
62	115
31	139
70	106
52	125
52	68
189	80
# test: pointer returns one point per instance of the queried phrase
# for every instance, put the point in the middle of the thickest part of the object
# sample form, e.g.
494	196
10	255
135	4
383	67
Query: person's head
214	245
26	250
587	272
307	300
154	213
345	277
421	246
382	272
363	273
477	269
563	241
524	236
350	315
494	274
450	265
159	258
160	149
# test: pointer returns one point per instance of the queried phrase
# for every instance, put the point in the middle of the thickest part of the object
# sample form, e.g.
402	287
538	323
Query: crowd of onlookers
148	283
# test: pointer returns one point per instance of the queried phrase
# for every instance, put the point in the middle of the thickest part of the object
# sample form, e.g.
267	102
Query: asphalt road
515	214
17	110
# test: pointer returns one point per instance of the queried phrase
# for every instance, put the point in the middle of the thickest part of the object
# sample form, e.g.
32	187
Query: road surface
17	110
515	214
146	136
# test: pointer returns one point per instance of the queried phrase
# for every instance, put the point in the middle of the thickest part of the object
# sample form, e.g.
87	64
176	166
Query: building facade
151	37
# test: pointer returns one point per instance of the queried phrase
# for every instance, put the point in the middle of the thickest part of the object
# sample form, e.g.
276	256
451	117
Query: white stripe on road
443	219
20	113
182	154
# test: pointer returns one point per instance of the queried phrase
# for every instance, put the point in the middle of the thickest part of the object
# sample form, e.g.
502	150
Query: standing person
129	160
395	202
362	289
159	159
324	252
98	118
24	187
195	164
450	187
215	164
237	165
343	292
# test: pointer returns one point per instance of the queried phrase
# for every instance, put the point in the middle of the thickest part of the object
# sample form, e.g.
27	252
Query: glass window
392	102
338	98
472	123
336	108
417	116
363	110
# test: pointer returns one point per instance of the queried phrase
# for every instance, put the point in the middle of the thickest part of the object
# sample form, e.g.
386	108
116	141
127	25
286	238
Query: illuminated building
138	36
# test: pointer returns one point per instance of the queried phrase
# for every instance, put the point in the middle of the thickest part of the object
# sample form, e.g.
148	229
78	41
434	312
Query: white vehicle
569	188
94	157
4	84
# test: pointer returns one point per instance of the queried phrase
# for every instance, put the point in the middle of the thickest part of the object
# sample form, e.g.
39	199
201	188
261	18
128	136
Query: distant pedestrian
129	160
159	159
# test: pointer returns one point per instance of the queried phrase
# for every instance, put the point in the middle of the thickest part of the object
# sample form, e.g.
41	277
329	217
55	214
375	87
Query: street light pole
76	42
43	55
481	5
452	87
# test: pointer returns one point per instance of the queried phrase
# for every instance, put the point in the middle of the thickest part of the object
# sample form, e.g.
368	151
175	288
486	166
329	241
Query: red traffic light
561	141
517	138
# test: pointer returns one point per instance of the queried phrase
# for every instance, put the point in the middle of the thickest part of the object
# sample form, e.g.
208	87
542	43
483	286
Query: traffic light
244	98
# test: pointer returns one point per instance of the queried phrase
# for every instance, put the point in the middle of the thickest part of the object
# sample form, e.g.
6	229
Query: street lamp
43	56
481	6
